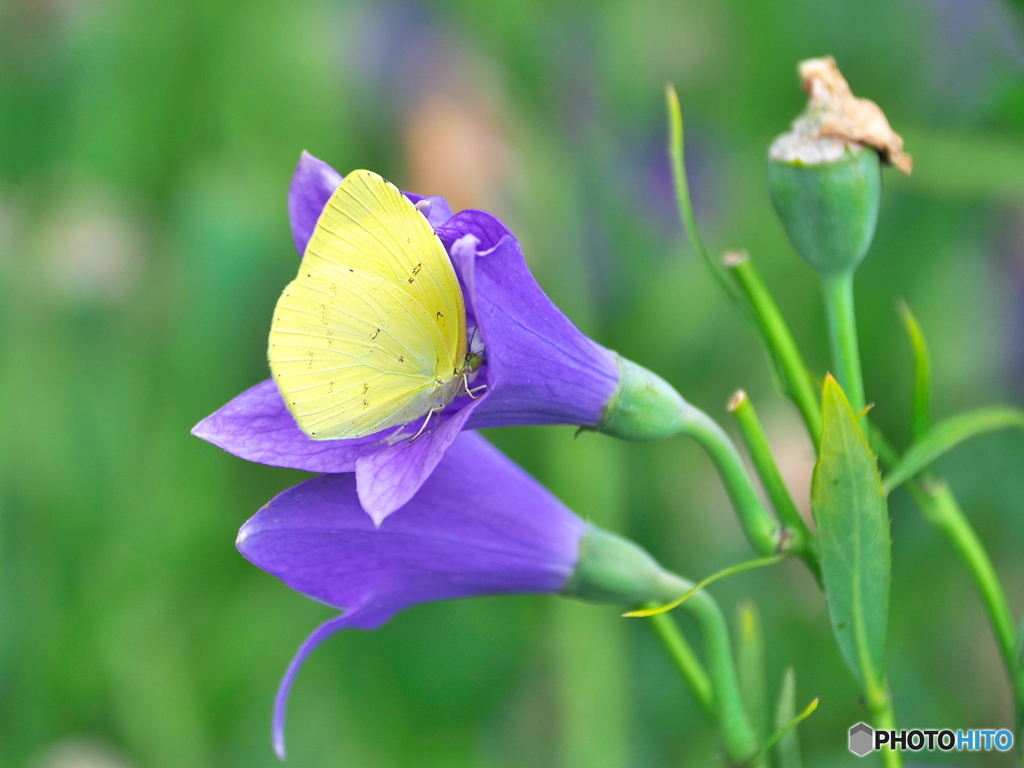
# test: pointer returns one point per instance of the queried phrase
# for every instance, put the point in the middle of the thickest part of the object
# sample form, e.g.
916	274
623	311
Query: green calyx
644	407
612	569
828	208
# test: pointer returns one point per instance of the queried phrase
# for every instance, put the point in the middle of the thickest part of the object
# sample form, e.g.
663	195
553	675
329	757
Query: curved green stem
842	327
717	689
797	382
685	660
763	531
646	407
801	537
940	507
737	733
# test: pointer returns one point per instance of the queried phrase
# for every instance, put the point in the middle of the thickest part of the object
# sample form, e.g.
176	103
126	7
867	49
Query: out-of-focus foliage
145	151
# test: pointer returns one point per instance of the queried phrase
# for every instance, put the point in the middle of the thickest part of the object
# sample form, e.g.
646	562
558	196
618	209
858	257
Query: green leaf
676	153
947	435
850	509
922	372
788	748
785	731
732	570
750	667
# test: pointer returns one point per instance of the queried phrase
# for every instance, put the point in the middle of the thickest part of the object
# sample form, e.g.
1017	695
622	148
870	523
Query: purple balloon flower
479	525
538	367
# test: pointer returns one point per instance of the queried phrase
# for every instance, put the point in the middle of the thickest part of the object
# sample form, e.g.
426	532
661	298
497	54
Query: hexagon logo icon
862	738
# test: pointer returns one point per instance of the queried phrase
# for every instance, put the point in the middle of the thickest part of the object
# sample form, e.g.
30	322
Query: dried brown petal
839	114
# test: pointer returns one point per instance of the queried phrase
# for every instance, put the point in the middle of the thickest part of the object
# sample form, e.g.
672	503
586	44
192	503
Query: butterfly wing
374	326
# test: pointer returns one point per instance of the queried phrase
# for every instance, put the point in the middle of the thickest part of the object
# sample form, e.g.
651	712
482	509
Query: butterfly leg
426	421
472	392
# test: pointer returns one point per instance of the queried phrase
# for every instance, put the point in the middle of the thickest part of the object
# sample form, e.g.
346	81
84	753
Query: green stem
763	531
648	407
737	733
797	382
800	389
842	327
801	537
939	506
717	690
882	717
685	660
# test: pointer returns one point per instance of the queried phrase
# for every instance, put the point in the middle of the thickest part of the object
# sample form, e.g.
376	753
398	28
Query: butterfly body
371	334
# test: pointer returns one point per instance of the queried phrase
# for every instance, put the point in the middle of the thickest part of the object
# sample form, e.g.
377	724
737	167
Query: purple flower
479	525
538	367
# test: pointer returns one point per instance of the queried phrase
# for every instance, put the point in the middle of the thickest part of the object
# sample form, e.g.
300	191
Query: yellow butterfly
372	333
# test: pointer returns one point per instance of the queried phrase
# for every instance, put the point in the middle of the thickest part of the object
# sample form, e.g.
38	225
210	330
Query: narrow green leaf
732	570
948	434
750	667
783	732
850	509
788	749
677	158
922	372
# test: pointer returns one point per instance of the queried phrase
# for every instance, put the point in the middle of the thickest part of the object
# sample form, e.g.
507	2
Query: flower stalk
646	406
842	328
685	660
612	569
740	740
883	718
763	531
939	506
801	539
797	382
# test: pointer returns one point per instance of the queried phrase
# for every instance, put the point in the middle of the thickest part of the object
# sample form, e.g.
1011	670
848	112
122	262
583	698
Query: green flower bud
829	209
824	174
612	569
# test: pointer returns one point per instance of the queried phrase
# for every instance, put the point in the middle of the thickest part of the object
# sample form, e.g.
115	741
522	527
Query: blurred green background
145	153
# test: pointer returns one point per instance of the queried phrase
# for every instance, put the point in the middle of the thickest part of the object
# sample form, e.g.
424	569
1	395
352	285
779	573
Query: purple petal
437	209
257	426
538	367
542	369
479	525
313	183
324	631
390	477
463	255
